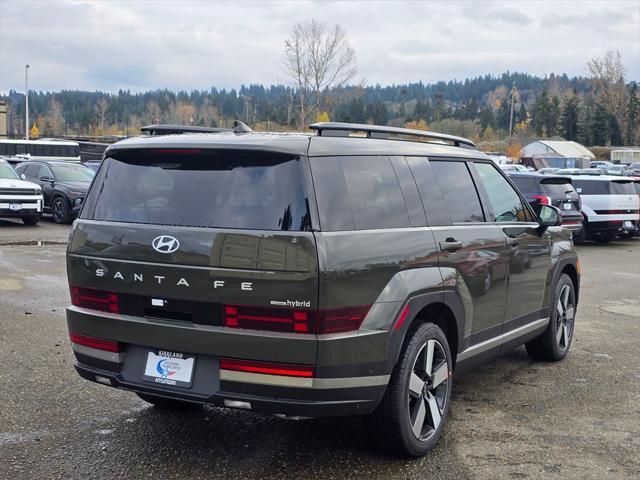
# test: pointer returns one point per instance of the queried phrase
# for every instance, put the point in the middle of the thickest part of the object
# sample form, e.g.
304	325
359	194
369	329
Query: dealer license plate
15	207
568	206
169	368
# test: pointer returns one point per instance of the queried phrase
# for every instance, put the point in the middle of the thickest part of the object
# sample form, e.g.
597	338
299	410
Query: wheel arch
443	309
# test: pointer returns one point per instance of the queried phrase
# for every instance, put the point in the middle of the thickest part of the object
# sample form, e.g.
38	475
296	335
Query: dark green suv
350	272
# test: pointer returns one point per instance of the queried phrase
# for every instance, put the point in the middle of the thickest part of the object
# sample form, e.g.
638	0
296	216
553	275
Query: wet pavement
512	418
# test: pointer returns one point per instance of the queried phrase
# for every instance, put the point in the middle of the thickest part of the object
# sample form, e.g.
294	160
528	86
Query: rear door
528	247
220	238
471	251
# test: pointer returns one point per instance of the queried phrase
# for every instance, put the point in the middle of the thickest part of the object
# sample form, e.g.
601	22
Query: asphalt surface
512	418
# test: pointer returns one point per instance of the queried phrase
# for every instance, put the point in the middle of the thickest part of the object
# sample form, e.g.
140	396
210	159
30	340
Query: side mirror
23	176
549	216
46	179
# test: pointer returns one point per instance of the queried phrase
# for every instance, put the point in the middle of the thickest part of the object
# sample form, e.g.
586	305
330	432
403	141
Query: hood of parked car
12	183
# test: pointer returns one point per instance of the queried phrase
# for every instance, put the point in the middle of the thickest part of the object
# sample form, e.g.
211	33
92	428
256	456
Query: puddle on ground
31	243
623	307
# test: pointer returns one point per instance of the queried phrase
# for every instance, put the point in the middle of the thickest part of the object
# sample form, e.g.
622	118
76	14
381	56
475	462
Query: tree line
598	109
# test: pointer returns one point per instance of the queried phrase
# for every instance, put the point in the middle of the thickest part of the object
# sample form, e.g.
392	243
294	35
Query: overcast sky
142	45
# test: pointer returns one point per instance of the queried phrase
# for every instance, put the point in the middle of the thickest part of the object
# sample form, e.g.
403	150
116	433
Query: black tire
581	237
409	402
604	237
60	210
31	220
167	403
554	343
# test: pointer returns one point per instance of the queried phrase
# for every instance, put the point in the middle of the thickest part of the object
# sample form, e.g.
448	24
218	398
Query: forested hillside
595	110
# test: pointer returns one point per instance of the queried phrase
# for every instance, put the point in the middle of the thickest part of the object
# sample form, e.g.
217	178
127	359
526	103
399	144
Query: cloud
195	44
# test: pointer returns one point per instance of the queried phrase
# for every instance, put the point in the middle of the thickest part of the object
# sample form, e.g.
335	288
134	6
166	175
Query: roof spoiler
335	129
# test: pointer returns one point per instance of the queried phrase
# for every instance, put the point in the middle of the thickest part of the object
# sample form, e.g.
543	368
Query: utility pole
26	102
513	97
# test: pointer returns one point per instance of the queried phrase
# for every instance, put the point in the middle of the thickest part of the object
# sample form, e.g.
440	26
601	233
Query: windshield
262	191
7	172
557	188
72	173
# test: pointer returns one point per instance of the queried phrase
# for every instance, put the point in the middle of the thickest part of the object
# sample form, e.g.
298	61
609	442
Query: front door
527	246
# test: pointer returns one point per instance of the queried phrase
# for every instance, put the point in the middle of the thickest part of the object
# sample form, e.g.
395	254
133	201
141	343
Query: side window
505	202
44	172
358	193
459	191
374	193
32	171
409	191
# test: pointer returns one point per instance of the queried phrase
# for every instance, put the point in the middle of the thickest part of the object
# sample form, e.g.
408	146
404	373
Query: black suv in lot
64	186
552	190
351	272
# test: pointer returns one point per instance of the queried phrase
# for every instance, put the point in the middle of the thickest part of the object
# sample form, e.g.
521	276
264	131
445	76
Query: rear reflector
295	321
97	343
266	368
94	299
402	318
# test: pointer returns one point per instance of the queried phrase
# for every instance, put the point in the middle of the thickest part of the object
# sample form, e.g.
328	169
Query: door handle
450	245
513	242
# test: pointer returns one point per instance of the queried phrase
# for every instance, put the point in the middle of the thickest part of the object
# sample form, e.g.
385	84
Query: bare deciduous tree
608	82
317	58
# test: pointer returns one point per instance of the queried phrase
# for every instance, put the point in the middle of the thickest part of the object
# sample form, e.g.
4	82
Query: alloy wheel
565	314
58	210
428	392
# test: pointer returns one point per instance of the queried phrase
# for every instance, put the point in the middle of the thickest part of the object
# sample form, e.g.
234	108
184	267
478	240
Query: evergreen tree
521	114
541	112
503	115
599	126
570	117
632	116
615	132
553	117
487	120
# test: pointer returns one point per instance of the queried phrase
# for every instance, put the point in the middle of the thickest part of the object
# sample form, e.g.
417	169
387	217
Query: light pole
26	102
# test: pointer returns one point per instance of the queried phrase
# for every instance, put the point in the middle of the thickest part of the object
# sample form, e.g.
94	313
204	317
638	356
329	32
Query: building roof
563	148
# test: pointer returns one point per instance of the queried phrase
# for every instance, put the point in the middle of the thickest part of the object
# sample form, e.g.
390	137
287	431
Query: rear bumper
326	394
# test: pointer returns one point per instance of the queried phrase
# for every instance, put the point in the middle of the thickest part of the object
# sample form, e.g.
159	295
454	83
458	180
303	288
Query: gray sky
143	45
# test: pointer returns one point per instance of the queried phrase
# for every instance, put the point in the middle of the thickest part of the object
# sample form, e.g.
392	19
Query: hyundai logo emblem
165	244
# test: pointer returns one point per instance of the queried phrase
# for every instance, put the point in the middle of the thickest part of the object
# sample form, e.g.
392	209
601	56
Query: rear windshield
604	187
557	187
225	189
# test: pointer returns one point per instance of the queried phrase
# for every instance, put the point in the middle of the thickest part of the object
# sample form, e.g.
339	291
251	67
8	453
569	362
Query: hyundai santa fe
354	271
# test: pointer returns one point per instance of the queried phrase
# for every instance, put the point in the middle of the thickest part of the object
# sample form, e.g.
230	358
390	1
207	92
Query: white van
610	206
19	199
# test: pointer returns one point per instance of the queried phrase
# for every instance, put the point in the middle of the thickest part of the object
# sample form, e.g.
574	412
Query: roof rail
337	129
160	129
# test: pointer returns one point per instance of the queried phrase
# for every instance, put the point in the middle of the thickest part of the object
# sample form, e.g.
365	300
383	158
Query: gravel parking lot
512	418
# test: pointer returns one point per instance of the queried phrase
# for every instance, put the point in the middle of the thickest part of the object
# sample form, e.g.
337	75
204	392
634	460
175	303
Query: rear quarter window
358	193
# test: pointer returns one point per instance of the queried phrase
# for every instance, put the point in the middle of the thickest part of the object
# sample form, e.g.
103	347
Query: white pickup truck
18	198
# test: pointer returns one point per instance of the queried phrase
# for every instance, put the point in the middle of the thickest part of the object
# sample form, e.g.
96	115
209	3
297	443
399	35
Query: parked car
18	198
618	170
312	275
610	206
513	167
93	164
634	168
553	190
547	171
603	164
64	186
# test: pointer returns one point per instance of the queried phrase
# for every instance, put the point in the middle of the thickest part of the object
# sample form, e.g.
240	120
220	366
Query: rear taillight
274	319
338	320
266	368
294	321
93	342
543	199
94	299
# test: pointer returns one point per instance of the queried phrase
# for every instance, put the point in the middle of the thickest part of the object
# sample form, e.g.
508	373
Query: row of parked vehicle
36	187
594	205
